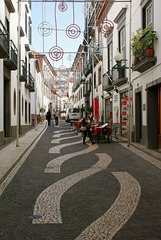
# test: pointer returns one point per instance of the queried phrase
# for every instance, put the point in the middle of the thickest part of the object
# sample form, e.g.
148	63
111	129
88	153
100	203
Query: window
122	42
147	15
95	80
30	32
26	23
73	110
99	76
7	25
120	20
22	105
26	61
110	56
14	102
29	113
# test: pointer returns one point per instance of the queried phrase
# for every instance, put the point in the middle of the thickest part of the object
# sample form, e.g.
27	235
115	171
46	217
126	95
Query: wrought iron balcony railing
23	71
4	41
119	73
30	83
108	81
11	61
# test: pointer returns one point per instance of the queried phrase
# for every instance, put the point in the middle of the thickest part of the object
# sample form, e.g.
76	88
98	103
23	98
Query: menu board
125	107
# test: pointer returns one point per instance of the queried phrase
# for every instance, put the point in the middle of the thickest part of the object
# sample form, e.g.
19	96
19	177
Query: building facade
123	27
20	72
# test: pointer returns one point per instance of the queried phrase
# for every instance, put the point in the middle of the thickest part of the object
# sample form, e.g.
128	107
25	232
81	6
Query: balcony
22	33
144	64
107	81
144	51
4	42
23	71
87	89
119	73
30	83
27	47
10	6
98	56
11	61
88	67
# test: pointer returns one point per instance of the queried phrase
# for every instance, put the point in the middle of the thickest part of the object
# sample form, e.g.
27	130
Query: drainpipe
129	110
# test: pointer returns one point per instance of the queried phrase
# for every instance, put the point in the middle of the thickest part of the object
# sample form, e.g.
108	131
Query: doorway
152	117
7	127
159	117
138	116
20	112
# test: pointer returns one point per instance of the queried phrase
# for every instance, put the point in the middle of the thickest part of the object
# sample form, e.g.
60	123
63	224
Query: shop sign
125	108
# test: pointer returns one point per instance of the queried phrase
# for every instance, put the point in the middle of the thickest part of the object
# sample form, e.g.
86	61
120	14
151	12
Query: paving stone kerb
10	154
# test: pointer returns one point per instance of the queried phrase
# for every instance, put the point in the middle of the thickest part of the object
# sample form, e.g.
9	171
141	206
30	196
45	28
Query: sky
45	13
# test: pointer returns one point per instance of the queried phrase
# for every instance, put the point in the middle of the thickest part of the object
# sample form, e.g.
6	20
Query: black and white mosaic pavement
81	192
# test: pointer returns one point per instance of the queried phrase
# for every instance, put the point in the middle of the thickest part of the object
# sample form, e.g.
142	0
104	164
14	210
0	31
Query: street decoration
45	29
56	53
73	31
63	6
106	26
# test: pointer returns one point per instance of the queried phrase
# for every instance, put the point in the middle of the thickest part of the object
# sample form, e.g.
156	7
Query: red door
95	108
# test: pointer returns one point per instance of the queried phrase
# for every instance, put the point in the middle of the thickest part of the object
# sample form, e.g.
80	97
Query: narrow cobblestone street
59	188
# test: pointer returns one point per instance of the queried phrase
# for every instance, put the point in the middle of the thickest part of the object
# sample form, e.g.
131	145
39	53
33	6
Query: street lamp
117	56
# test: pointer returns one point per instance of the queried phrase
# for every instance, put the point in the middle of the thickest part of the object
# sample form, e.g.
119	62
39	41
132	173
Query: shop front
108	110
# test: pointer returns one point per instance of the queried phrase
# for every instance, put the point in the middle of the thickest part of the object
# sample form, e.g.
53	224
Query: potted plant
148	39
137	45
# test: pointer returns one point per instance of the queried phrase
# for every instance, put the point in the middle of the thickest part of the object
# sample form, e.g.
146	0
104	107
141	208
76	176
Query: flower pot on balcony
150	52
136	60
143	57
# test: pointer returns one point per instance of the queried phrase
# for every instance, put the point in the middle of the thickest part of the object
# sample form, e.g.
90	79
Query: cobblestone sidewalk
10	154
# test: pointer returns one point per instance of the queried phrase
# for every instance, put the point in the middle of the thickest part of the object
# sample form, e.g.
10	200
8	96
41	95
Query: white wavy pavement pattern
48	203
119	213
57	140
57	149
60	134
54	165
65	130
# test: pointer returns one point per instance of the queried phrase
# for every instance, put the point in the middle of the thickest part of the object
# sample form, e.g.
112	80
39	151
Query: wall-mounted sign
125	108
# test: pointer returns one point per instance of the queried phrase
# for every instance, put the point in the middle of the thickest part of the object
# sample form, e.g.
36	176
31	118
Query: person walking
48	117
56	118
87	123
